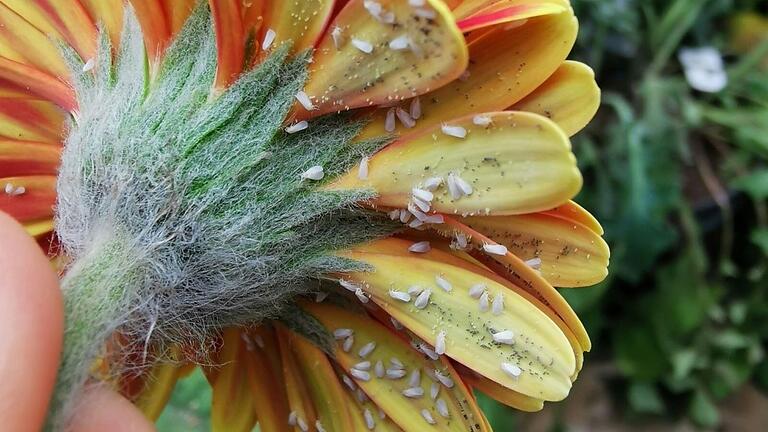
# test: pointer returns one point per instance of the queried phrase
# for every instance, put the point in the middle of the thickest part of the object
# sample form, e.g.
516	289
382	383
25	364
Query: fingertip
102	409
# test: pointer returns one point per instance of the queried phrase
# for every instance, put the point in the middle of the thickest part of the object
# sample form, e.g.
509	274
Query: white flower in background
704	69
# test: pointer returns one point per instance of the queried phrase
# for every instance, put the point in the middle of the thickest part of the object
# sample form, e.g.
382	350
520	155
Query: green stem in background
94	297
675	23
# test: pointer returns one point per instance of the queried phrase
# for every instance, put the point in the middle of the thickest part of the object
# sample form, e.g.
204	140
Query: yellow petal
232	407
357	413
468	8
502	394
504	67
22	42
39	228
109	15
296	387
540	349
22	158
359	68
571	254
265	380
300	22
37	82
570	97
31	120
324	387
386	392
158	386
519	163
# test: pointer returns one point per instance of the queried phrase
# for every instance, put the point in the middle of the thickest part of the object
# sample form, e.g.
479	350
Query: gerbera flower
351	213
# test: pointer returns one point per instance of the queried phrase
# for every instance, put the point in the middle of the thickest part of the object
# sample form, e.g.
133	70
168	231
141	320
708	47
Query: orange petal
301	22
230	40
297	390
37	82
388	392
23	43
177	12
34	203
107	14
232	407
573	211
357	413
18	158
507	11
34	120
569	97
500	393
154	25
265	375
570	254
354	66
516	163
504	67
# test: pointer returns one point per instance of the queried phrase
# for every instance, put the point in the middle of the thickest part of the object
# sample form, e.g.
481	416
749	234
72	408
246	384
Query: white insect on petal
361	396
360	375
292	418
361	295
444	379
396	324
348	382
476	290
348	342
461	240
428	351
89	65
442	408
415	223
453	187
320	296
415	290
396	363
440	343
425	13
379	369
9	188
405	118
362	45
415	379
420	247
498	304
362	171
484	303
363	365
269	37
351	286
416	3
373	7
415	109
389	120
424	206
297	127
303	425
400	43
394	214
396	373
319	426
422	194
433	183
428	416
434	219
305	101
342	333
259	341
338	38
314	173
463	185
443	283
434	390
248	341
512	370
481	120
413	392
405	216
369	421
534	263
454	131
423	299
399	295
504	337
366	349
495	249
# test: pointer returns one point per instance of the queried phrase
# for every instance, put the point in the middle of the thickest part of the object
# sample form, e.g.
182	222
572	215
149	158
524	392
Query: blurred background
676	170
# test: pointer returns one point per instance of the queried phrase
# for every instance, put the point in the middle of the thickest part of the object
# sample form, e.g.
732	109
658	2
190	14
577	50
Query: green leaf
755	184
760	238
703	411
644	398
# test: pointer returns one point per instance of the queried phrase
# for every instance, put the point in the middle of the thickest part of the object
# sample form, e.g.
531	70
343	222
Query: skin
31	320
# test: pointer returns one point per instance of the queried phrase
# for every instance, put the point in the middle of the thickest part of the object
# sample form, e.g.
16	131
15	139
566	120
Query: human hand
31	329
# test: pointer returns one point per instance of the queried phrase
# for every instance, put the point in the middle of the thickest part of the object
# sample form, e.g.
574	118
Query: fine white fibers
400	43
454	131
444	379
481	120
476	290
443	283
415	109
360	375
495	249
361	295
440	343
399	295
366	349
422	194
305	101
338	38
512	370
88	66
413	392
419	247
389	120
484	303
348	342
362	45
423	299
405	118
269	38
362	171
297	127
504	337
498	304
427	416
342	333
415	379
369	421
534	263
432	183
442	408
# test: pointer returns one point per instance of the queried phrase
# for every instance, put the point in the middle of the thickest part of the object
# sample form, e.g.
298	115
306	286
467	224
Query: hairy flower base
186	213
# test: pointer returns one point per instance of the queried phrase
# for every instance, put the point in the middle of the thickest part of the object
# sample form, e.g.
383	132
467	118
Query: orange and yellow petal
232	404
